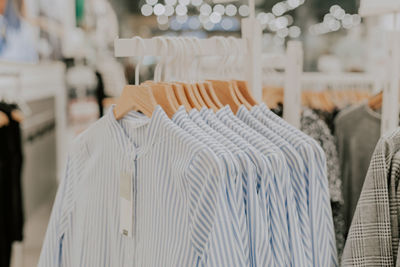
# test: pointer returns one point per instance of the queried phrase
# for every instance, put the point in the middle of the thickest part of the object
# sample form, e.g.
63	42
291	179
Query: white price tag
126	198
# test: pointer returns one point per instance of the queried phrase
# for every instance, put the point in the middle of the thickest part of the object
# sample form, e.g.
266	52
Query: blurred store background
57	64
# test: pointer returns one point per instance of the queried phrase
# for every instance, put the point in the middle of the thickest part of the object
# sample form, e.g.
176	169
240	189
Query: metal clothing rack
250	43
390	105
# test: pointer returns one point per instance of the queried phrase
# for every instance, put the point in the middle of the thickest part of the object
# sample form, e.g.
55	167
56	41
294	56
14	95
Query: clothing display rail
311	81
250	45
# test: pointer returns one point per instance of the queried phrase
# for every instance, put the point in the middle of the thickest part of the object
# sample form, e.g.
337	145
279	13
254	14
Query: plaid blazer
370	239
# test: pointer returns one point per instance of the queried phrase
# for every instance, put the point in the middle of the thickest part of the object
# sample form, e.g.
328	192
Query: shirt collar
180	114
122	131
242	111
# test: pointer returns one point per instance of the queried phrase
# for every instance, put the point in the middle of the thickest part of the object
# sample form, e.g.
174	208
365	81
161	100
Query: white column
292	83
252	32
390	105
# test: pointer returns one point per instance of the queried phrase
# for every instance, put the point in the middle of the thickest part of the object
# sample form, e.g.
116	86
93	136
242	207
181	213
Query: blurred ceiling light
170	2
205	9
163	27
208	26
347	21
272	26
181	10
231	10
159	9
244	10
197	2
334	25
194	23
278	9
182	19
294	32
169	10
281	22
283	33
151	2
356	19
290	19
215	17
337	12
328	18
146	10
227	24
175	25
219	9
184	2
293	3
263	18
334	8
162	19
203	18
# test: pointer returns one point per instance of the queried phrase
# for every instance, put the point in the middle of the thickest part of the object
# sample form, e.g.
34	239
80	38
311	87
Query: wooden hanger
213	96
207	99
239	95
198	96
17	115
165	97
4	121
272	96
194	103
135	97
169	91
226	94
181	96
246	92
375	102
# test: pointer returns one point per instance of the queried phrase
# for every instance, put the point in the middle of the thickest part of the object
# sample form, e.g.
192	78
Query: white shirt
176	184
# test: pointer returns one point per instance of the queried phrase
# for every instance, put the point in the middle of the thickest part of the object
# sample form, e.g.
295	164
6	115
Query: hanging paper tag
126	212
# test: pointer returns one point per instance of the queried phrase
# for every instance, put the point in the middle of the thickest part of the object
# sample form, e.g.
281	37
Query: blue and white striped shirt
236	219
294	251
177	199
297	171
261	254
323	236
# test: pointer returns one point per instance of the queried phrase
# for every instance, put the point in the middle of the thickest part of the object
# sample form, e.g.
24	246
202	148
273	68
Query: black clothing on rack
11	207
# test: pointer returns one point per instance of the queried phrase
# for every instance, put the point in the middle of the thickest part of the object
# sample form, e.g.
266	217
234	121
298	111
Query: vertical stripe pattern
321	221
207	190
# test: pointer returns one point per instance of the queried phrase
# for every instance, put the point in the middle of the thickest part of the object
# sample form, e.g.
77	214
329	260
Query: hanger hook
182	51
225	56
192	63
137	70
198	57
231	42
238	56
160	64
172	59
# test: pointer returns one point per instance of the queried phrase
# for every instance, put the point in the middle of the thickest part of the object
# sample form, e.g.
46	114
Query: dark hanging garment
100	95
11	208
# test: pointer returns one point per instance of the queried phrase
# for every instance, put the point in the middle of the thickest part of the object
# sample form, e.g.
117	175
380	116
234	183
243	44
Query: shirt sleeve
57	245
203	178
52	246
